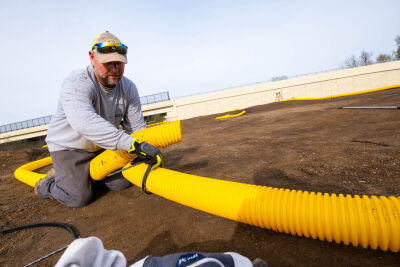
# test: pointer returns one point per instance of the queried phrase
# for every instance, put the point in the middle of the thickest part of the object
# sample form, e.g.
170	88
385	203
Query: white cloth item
89	252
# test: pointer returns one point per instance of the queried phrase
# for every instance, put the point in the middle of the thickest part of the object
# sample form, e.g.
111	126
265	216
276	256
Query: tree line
366	58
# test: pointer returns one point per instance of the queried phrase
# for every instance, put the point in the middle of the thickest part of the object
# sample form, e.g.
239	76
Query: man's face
108	74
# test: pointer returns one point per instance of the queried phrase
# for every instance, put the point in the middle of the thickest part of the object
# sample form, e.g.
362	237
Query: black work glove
150	154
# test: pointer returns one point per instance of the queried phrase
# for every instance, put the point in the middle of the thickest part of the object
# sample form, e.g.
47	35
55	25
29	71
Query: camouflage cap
109	57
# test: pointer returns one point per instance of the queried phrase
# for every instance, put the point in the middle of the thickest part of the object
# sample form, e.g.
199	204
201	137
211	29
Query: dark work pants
72	185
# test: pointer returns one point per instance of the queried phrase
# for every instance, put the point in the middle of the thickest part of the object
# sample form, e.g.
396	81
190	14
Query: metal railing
25	124
149	99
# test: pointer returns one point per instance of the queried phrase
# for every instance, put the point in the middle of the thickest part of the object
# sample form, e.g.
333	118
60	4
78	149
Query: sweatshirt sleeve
76	99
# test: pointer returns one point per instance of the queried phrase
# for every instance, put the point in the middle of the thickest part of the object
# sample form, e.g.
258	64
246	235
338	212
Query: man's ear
91	57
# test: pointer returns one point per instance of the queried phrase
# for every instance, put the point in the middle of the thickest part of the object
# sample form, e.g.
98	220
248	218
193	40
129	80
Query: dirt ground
303	145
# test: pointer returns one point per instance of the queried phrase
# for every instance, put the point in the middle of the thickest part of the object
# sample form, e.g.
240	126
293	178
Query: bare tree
279	78
397	40
383	58
351	62
365	58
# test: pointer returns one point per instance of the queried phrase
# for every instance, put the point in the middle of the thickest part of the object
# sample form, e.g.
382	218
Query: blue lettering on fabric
187	259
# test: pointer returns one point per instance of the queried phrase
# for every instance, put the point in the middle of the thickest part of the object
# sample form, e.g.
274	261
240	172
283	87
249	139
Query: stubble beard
105	79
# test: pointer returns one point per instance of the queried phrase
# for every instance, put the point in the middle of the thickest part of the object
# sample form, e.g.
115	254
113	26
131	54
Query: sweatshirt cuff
125	142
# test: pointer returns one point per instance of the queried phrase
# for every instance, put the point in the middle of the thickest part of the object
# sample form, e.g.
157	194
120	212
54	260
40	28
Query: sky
184	47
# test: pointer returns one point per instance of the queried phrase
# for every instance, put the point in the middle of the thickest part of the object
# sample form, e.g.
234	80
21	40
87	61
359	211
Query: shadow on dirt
99	191
193	165
175	156
278	178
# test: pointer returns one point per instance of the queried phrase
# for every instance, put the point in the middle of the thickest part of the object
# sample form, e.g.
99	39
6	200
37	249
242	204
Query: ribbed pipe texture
367	221
161	136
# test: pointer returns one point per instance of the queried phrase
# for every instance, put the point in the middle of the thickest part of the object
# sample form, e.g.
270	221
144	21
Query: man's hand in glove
151	154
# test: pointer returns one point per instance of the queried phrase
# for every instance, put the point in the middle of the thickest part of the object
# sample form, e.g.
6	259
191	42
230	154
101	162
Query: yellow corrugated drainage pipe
108	161
347	94
366	221
161	136
26	175
231	116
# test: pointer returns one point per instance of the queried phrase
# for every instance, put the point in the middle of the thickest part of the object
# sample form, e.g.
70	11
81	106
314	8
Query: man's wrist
125	142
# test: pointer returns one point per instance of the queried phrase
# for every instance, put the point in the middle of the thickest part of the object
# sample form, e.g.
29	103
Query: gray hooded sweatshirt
88	114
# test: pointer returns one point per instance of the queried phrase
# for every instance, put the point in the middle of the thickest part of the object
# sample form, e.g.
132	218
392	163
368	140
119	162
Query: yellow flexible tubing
26	175
231	116
161	135
366	221
347	94
108	161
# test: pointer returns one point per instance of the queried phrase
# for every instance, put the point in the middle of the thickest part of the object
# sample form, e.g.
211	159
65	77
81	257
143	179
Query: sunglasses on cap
109	47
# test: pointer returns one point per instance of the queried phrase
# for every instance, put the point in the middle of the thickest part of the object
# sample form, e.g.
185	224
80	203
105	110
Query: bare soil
303	145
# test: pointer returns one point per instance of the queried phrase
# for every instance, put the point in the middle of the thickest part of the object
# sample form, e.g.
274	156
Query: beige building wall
23	134
311	86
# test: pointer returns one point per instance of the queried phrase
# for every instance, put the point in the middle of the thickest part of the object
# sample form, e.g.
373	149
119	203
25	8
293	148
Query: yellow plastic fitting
366	221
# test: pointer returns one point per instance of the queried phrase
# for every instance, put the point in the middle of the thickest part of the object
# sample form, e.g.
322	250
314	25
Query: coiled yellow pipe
161	135
366	221
109	161
232	116
26	175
